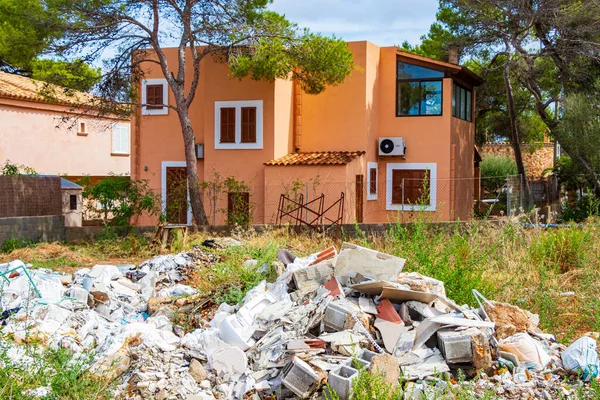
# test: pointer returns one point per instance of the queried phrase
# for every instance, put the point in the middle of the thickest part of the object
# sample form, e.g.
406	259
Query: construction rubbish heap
327	319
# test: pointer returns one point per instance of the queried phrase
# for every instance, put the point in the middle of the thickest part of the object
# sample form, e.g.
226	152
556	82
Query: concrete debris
326	318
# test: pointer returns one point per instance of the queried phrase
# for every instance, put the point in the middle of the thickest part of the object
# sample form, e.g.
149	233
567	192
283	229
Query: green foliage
9	168
66	376
315	61
117	199
494	170
26	30
11	244
369	386
75	75
239	209
580	209
580	133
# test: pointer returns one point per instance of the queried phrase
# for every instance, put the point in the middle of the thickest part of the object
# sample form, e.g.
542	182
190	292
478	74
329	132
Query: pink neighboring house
48	136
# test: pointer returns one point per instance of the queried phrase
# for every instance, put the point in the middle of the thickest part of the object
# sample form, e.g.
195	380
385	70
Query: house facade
48	129
394	140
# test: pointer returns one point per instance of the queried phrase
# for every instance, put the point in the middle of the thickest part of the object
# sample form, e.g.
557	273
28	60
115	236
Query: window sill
371	197
155	111
82	133
119	154
238	146
419	115
411	207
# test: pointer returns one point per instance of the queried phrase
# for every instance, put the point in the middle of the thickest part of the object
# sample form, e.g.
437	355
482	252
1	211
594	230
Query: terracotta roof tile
23	88
317	158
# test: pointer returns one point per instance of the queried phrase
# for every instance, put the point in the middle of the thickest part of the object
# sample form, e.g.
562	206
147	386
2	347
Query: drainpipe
297	93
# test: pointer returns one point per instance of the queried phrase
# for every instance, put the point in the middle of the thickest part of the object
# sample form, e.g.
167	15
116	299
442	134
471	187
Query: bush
117	199
494	170
580	209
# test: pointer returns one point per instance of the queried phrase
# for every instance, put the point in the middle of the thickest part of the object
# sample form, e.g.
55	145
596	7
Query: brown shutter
414	181
227	125
154	97
248	124
373	181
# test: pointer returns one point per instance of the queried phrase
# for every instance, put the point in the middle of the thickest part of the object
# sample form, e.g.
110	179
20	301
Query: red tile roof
318	158
23	88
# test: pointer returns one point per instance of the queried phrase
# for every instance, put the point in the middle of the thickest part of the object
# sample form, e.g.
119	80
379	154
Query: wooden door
360	188
177	198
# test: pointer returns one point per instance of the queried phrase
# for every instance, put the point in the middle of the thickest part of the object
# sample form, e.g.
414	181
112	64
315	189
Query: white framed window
372	180
120	139
411	186
239	124
155	97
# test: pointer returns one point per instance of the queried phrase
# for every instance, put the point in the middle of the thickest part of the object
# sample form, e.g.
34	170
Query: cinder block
300	378
455	346
340	381
337	318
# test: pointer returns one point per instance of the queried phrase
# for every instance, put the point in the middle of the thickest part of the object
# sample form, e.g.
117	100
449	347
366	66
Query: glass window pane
408	98
468	107
431	103
454	90
409	71
463	103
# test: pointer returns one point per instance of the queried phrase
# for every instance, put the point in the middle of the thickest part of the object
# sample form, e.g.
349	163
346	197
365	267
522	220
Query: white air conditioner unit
392	147
200	151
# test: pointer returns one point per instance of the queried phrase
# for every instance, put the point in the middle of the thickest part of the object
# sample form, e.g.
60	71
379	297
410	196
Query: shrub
580	209
494	170
117	199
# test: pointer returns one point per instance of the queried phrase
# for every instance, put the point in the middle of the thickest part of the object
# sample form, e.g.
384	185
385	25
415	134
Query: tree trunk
192	171
514	130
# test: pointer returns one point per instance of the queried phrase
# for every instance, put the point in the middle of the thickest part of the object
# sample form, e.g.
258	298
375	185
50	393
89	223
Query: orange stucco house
396	138
53	131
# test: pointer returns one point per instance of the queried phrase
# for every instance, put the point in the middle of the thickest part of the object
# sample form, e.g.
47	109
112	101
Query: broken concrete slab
353	260
314	276
367	305
432	365
229	362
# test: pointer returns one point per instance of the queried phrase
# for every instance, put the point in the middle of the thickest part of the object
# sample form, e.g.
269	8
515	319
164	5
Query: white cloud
383	22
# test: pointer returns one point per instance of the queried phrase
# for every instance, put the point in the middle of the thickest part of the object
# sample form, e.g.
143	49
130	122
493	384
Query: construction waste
311	332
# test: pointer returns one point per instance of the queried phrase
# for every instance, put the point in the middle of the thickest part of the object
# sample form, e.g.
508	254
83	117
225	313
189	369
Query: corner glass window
462	100
419	90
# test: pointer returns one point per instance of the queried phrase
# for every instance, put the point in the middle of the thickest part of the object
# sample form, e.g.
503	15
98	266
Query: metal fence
323	202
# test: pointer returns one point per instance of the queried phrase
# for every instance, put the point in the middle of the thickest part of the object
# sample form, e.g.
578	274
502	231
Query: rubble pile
326	317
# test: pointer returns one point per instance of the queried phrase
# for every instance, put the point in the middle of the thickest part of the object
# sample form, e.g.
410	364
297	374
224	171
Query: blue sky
383	22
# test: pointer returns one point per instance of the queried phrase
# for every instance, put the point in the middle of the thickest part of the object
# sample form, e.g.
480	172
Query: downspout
297	93
136	148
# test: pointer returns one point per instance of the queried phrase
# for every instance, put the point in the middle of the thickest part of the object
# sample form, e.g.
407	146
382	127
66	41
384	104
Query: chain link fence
325	202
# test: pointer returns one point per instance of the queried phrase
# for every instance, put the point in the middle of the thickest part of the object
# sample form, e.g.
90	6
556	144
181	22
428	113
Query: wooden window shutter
228	125
414	182
248	124
373	181
154	97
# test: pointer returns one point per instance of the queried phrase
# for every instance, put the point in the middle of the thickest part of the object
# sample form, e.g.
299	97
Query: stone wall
35	229
535	162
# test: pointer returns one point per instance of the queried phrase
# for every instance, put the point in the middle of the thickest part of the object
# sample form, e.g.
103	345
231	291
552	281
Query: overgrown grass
532	268
54	369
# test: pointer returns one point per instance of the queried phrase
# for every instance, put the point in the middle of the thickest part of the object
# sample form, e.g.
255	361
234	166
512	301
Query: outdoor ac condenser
392	147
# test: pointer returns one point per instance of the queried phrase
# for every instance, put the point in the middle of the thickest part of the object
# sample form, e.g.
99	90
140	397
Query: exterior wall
349	117
35	229
427	139
536	158
162	139
73	218
33	134
336	119
462	166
